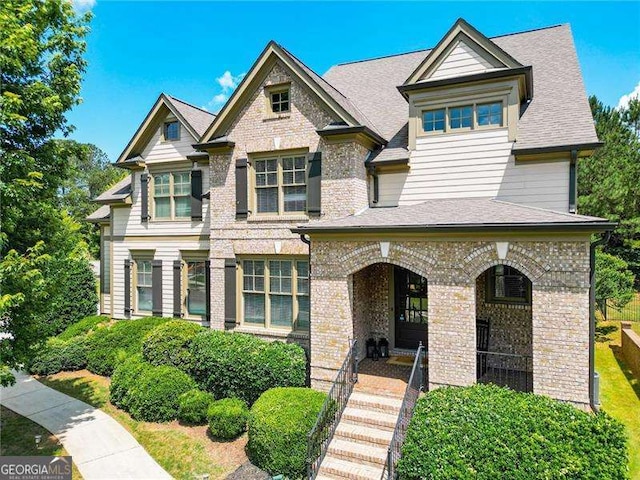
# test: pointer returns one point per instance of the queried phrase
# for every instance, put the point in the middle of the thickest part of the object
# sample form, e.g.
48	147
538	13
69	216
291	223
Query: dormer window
280	101
171	131
454	118
461	117
490	114
433	120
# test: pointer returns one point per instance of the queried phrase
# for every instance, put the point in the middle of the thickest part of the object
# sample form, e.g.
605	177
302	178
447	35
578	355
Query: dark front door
411	307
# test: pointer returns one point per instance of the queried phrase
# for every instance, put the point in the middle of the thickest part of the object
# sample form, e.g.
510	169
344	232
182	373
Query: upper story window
461	117
280	185
172	196
507	285
171	131
280	101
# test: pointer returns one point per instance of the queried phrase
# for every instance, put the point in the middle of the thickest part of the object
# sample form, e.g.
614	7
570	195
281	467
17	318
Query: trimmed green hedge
486	432
58	355
168	344
153	397
123	338
82	327
243	366
124	377
228	418
193	406
279	424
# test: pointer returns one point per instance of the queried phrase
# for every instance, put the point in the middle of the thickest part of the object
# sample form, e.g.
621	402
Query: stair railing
411	394
322	432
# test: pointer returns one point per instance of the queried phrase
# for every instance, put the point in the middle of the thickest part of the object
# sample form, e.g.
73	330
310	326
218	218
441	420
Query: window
172	195
171	131
462	116
508	285
105	265
144	286
280	101
275	293
280	185
196	288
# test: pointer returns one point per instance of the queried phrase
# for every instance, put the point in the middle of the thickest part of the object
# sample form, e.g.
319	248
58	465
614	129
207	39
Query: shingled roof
116	194
558	114
197	118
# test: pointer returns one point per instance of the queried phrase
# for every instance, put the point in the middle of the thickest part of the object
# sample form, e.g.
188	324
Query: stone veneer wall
559	270
371	306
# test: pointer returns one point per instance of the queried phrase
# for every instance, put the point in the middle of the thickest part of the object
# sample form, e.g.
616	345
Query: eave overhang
133	163
335	131
583	149
214	145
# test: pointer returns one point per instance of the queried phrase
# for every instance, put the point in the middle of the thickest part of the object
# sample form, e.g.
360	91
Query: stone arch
370	254
517	257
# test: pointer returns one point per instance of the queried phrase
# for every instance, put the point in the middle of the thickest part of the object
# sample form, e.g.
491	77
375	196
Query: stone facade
555	328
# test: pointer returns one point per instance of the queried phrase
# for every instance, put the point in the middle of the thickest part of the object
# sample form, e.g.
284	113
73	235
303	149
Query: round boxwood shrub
168	344
486	431
193	406
154	396
228	417
123	338
124	377
243	366
279	423
58	355
83	326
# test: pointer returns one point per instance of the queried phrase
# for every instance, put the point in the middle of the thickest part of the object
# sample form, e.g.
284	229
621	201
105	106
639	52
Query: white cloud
625	99
83	5
227	83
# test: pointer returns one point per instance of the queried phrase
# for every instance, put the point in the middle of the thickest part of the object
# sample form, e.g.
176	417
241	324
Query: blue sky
138	49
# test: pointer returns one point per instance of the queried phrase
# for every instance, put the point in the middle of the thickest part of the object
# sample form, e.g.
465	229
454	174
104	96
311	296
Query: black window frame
508	272
165	131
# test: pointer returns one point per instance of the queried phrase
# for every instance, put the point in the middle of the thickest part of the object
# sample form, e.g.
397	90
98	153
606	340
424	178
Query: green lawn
17	437
619	390
184	452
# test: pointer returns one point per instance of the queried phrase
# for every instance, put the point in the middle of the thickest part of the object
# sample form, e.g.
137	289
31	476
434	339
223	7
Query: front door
411	307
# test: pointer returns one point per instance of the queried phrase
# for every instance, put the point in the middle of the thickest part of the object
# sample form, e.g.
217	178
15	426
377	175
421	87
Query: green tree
608	183
614	281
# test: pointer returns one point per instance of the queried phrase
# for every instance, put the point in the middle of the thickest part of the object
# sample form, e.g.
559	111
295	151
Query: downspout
305	239
592	316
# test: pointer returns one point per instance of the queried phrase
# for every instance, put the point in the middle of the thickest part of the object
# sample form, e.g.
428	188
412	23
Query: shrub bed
228	418
124	377
279	423
123	338
168	344
82	327
154	395
243	366
193	407
486	431
58	355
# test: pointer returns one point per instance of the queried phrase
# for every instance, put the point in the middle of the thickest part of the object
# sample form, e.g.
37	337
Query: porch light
383	347
371	348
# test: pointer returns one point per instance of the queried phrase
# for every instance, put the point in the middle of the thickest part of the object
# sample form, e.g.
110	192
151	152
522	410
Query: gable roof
336	101
194	119
558	115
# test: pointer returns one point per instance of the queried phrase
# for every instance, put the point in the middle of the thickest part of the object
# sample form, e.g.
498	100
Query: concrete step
370	418
363	434
357	452
333	467
378	403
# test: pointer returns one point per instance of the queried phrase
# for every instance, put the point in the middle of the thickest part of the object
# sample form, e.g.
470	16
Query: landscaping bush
279	423
168	344
154	396
58	355
124	377
82	327
243	366
193	406
488	432
228	418
124	337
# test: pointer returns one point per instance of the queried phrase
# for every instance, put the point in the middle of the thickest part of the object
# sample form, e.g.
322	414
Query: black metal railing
322	432
415	385
506	370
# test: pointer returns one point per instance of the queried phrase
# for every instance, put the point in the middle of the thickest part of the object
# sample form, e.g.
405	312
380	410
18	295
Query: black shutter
241	188
314	183
144	197
177	288
573	182
229	293
207	288
127	288
196	194
156	284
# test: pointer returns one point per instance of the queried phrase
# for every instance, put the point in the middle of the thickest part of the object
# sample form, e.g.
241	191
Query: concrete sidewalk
101	448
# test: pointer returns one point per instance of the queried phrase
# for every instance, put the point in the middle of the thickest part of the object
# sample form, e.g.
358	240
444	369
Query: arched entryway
504	328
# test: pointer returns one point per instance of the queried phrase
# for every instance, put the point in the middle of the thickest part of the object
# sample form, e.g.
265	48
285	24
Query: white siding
480	164
163	249
390	187
157	150
463	60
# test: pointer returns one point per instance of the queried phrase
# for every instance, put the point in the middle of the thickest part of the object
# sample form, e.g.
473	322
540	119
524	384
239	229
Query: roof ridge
381	57
190	105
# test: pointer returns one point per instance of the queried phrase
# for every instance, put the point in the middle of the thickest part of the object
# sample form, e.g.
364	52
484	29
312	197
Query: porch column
452	335
561	343
331	327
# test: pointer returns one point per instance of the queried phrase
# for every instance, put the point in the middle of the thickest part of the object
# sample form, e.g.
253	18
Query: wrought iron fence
322	432
628	313
415	385
506	370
